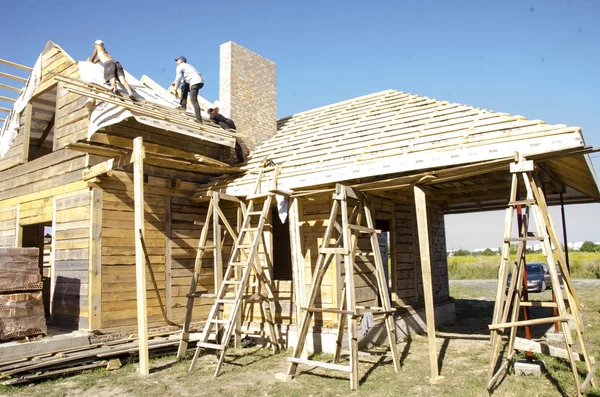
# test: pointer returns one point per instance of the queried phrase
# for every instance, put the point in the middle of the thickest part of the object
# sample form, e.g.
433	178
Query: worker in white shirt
191	82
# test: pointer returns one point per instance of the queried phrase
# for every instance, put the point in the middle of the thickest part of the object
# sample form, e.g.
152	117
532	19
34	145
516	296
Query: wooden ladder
214	214
516	298
244	261
346	245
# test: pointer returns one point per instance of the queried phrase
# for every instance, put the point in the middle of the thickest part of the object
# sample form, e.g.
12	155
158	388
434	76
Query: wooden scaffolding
224	319
510	303
352	206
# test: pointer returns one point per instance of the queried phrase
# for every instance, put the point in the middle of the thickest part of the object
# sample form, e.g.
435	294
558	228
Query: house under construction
67	166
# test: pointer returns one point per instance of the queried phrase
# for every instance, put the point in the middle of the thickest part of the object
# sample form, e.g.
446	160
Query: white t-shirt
188	73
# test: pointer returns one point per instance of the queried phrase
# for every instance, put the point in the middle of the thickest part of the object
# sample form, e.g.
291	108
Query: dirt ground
463	357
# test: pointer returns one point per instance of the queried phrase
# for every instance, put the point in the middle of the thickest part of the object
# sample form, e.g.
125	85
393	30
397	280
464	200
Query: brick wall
248	93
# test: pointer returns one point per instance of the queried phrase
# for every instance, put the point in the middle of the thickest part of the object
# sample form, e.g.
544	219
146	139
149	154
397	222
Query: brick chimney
248	94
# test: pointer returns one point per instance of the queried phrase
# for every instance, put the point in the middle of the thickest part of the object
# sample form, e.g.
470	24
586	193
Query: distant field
583	265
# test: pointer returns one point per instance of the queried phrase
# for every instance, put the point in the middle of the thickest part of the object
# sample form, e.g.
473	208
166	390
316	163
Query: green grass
583	265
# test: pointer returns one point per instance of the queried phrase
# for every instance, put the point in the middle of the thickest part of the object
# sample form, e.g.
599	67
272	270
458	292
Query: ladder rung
218	321
363	229
337	367
206	247
242	264
206	345
342	251
232	282
250	229
201	295
254	213
226	301
535	321
330	310
522	202
508	240
243	246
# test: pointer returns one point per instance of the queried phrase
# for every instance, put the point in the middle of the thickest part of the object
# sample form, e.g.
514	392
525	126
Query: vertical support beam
350	297
564	230
27	132
217	257
95	258
168	259
53	256
140	265
421	209
297	260
393	255
18	228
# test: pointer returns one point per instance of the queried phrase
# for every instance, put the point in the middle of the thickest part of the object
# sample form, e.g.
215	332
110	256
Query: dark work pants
193	91
228	124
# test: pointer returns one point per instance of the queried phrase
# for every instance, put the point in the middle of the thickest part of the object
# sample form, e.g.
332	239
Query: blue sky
539	59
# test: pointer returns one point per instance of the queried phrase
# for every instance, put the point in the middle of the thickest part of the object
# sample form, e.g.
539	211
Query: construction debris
76	360
21	304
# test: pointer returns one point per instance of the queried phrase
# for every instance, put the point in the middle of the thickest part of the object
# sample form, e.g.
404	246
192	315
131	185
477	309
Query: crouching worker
113	71
226	124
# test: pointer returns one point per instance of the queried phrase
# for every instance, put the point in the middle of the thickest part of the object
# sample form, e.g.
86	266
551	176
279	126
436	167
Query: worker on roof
226	124
113	71
191	82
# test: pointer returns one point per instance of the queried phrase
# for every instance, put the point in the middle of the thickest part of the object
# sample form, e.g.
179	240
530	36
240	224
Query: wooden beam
27	131
95	258
10	76
140	260
15	65
7	110
9	87
423	229
7	99
47	130
168	258
106	166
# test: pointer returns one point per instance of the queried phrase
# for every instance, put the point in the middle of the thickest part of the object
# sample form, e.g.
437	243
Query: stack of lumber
21	303
60	363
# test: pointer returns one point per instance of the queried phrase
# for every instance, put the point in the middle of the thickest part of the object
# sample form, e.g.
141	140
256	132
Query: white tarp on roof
10	128
105	114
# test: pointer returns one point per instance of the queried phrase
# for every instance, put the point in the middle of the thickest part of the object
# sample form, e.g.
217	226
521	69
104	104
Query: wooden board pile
21	303
70	361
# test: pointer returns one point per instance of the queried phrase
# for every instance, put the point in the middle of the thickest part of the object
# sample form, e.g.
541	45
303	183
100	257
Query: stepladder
527	204
349	209
214	222
248	268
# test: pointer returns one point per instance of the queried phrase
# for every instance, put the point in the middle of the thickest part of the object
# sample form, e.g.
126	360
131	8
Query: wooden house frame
417	158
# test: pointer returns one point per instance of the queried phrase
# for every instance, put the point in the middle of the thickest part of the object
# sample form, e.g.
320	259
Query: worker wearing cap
113	71
191	82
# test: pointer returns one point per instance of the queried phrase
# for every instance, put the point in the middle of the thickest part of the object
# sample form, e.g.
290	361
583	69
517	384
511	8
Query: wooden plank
168	257
15	65
142	310
95	259
11	88
7	99
27	131
424	248
13	77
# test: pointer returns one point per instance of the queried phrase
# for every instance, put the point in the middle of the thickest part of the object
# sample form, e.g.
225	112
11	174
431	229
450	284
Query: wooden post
18	228
53	256
27	131
421	209
349	241
168	259
95	258
140	264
